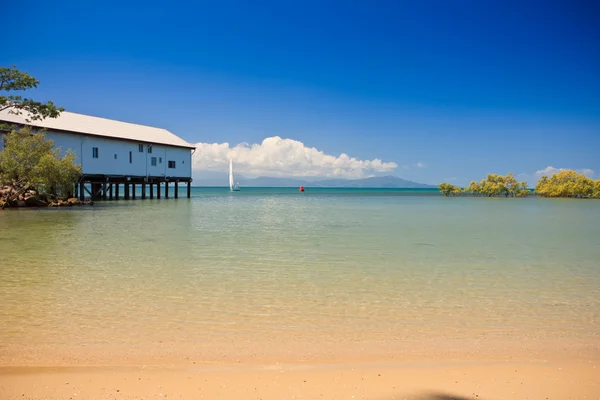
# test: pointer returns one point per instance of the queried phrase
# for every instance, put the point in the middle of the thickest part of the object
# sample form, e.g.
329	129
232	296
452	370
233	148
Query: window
160	160
115	156
153	161
183	162
141	148
94	152
149	149
171	164
130	157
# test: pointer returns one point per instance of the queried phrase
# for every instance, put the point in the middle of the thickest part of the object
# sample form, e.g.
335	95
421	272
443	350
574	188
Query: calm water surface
263	263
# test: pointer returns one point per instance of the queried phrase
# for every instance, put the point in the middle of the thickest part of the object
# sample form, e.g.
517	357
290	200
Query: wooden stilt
81	191
126	191
96	187
103	190
110	187
166	190
133	191
189	190
158	190
89	191
176	189
151	190
143	190
117	191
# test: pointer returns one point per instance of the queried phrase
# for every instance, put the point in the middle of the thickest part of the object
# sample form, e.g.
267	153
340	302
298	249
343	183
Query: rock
21	196
33	202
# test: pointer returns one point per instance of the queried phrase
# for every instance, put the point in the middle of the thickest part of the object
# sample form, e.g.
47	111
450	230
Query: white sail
230	174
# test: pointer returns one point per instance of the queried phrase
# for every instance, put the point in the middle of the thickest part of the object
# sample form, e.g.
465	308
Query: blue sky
446	90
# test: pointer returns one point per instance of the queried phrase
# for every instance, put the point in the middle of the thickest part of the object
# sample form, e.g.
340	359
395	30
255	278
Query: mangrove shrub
568	183
30	161
492	185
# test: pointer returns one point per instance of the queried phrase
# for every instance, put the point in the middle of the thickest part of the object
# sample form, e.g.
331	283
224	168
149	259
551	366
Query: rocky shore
15	196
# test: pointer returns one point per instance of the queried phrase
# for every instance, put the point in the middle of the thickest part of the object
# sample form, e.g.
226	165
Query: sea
273	273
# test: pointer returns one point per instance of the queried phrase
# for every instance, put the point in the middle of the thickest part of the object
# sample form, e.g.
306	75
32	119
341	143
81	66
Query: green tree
567	183
29	160
523	190
596	192
491	185
448	189
13	80
542	188
474	188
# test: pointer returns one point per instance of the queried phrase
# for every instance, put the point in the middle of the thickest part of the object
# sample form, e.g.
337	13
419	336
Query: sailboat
232	187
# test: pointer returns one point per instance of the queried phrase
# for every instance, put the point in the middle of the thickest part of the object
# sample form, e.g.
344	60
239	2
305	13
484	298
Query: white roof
88	125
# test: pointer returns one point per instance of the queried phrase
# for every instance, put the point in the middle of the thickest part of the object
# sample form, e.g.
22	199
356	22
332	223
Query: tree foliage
448	189
568	183
30	160
13	80
492	185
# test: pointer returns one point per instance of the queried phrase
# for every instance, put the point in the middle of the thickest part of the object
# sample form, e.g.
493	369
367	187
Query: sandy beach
379	381
503	373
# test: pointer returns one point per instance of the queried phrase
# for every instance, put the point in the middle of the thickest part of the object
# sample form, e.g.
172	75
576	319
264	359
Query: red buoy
302	188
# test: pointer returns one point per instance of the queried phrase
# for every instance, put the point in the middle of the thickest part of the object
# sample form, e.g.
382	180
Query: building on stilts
119	160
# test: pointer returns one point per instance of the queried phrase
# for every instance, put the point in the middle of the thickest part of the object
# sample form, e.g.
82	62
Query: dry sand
429	370
541	379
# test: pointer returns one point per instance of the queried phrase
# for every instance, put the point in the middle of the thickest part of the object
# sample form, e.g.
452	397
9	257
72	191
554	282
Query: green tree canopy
497	185
568	183
29	160
448	189
596	192
13	80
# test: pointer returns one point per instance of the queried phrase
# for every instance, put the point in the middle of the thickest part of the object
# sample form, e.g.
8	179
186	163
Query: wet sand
558	377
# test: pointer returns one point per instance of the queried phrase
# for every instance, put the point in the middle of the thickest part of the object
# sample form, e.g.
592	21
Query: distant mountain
265	181
374	182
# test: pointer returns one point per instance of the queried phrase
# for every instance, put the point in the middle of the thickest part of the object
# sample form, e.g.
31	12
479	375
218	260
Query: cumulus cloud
420	165
284	157
549	170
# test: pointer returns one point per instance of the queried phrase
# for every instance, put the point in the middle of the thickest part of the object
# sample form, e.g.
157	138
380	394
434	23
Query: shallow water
322	266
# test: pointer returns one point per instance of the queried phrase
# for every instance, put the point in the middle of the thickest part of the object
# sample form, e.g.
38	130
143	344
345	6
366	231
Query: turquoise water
278	266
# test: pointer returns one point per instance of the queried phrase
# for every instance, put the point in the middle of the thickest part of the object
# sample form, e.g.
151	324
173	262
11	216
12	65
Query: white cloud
283	157
549	170
420	165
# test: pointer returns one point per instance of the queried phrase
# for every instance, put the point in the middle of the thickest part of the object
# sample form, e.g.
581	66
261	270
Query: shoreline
244	351
546	372
518	379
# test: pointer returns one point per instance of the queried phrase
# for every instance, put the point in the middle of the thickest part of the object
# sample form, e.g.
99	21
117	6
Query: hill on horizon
372	182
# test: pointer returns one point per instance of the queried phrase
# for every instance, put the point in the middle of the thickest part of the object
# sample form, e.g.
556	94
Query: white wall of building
120	157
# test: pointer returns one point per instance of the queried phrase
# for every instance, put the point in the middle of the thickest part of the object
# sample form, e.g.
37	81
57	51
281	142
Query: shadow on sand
436	396
443	396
